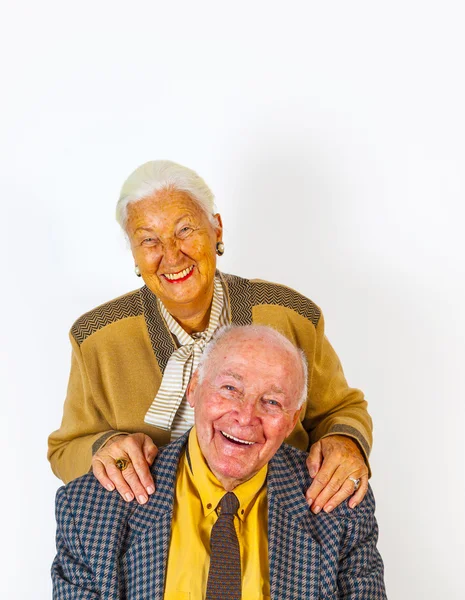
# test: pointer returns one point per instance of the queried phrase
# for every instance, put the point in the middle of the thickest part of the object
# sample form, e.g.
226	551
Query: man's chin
230	470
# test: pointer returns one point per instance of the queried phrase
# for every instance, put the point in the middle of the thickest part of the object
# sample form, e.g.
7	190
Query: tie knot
229	504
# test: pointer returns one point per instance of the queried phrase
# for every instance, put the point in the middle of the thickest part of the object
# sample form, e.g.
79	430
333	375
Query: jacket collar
161	502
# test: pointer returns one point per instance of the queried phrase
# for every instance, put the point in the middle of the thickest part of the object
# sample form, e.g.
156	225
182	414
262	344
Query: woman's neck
193	323
193	316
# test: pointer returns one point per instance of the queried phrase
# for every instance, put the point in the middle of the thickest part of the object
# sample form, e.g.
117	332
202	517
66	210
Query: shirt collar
216	311
210	489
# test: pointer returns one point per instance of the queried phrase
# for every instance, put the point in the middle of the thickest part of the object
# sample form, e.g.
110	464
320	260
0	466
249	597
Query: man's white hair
157	175
223	333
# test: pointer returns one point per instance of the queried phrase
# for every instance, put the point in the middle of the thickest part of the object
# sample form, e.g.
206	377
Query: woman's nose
171	253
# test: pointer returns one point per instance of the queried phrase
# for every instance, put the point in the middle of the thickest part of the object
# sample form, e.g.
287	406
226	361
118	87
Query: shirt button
209	506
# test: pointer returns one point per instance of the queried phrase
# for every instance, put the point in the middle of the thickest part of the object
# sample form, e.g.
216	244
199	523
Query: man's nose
247	413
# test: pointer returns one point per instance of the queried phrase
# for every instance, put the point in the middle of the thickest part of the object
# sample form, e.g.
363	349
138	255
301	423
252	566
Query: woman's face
174	245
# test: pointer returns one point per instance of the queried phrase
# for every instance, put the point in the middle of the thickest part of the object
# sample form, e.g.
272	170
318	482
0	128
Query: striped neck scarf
170	409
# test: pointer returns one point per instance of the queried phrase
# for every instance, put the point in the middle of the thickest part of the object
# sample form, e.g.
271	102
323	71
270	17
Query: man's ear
191	388
294	420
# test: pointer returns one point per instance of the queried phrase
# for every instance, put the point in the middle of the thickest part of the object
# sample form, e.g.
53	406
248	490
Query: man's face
246	404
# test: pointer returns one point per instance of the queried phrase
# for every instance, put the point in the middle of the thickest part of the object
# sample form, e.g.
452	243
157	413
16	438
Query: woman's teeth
235	439
180	275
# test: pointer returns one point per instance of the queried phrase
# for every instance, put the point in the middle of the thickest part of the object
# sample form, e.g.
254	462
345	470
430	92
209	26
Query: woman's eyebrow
188	215
143	229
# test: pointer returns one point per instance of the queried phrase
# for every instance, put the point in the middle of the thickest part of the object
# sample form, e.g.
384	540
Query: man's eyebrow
233	374
277	390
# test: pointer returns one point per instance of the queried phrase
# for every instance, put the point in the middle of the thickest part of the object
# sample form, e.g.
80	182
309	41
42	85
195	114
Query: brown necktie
224	576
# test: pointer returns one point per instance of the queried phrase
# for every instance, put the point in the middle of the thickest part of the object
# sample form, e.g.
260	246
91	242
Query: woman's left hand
332	460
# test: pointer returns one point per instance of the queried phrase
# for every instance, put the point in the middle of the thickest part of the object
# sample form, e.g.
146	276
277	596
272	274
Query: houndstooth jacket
110	549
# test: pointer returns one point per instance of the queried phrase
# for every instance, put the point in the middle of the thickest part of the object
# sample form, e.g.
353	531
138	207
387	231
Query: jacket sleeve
83	430
361	570
71	575
334	407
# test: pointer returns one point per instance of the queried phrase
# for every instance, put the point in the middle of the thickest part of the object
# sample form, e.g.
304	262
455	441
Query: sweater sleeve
83	430
334	407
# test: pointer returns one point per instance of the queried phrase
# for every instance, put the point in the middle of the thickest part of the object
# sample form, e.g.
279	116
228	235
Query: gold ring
121	463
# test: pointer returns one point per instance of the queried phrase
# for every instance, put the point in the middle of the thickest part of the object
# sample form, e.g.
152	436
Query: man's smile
236	440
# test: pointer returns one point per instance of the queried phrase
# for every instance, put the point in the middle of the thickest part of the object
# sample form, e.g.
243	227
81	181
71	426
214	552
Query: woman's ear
191	389
218	227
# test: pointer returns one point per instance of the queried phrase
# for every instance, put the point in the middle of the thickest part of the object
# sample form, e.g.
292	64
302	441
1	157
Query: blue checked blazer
109	549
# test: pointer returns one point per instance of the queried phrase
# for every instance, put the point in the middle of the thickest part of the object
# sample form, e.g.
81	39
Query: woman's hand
136	480
330	463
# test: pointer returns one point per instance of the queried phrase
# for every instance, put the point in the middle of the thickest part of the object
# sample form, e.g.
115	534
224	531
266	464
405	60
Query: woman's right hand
136	480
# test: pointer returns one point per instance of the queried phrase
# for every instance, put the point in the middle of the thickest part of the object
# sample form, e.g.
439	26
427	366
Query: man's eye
272	403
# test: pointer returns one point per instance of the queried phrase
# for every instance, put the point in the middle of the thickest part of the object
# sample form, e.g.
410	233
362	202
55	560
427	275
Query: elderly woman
132	357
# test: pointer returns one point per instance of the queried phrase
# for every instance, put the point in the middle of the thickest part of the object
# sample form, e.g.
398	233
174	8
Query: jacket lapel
294	555
144	563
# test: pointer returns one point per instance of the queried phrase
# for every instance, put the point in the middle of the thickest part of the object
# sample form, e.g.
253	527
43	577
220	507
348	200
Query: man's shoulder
291	462
290	468
87	494
88	500
122	307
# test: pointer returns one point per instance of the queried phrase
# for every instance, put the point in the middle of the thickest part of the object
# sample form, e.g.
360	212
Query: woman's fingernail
309	501
142	499
129	496
329	508
110	487
317	509
150	489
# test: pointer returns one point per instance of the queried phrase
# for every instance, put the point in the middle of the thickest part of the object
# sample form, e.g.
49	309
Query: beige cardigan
121	348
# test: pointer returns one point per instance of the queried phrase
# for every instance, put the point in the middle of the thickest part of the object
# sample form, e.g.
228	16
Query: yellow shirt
198	493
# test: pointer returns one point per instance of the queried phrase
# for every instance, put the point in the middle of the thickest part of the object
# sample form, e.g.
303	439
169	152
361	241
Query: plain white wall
333	137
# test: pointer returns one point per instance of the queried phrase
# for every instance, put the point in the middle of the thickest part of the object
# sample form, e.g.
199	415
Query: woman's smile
180	275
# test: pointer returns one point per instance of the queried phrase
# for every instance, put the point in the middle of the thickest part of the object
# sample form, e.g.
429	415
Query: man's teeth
231	437
180	275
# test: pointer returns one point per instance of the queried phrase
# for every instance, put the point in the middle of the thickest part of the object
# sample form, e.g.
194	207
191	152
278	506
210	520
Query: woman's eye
184	231
149	241
229	388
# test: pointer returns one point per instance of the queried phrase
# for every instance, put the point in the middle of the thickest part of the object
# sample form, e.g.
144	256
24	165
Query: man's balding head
247	394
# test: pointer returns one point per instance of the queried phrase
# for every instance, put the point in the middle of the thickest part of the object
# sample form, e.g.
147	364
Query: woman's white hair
157	175
260	331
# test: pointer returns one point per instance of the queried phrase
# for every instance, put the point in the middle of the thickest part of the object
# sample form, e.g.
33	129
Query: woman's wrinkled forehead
164	208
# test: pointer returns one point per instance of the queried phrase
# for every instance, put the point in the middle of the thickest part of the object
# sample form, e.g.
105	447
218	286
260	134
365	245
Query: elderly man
229	518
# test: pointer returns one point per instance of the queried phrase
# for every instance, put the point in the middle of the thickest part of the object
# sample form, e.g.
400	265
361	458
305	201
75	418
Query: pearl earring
220	248
137	271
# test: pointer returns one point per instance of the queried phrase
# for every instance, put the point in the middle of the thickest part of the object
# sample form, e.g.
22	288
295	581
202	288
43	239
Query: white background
332	134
